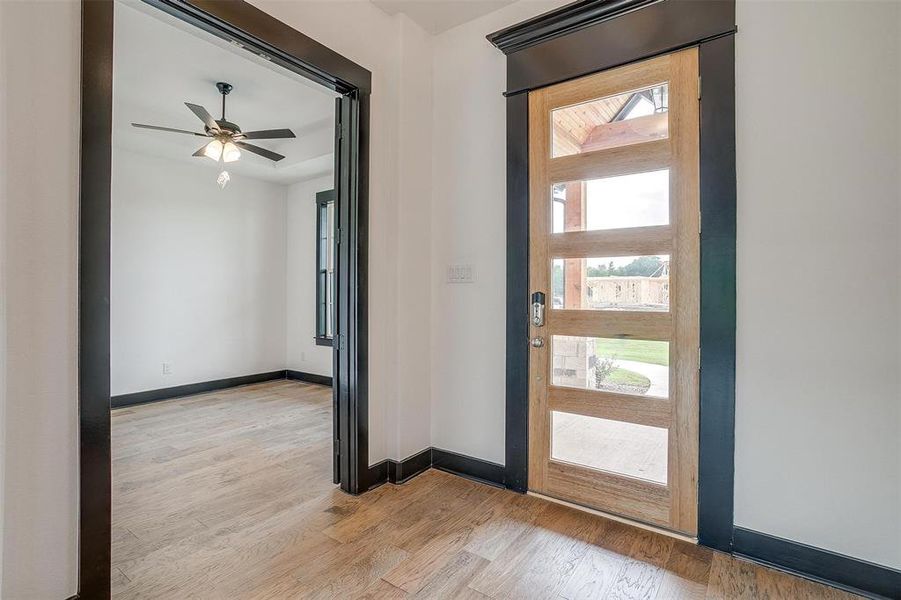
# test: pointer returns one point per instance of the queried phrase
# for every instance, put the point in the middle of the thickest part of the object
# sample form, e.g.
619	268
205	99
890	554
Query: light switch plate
460	274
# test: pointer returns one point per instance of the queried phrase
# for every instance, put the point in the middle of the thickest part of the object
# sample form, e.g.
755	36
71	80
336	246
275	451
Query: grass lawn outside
646	351
625	377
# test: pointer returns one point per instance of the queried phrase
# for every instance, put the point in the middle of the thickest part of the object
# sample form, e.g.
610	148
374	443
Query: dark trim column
716	481
516	458
95	476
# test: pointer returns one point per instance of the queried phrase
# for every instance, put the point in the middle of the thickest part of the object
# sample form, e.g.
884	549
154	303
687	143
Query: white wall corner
412	411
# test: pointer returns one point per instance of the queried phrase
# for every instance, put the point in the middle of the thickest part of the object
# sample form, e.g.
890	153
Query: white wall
818	401
468	226
197	274
40	48
412	409
4	52
302	353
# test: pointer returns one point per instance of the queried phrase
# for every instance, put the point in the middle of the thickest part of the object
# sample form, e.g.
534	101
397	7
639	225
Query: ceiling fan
227	137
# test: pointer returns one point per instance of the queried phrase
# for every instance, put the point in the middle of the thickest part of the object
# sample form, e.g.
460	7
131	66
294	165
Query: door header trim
561	21
594	35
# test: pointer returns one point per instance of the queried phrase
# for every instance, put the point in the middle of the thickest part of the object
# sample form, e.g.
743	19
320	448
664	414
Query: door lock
538	309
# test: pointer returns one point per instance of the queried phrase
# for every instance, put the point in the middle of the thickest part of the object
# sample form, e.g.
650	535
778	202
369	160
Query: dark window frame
322	338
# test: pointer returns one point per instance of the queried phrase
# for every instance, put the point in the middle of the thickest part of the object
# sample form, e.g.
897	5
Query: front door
614	270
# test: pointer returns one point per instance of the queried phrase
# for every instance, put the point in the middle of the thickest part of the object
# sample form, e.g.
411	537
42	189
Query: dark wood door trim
588	37
594	35
258	32
94	472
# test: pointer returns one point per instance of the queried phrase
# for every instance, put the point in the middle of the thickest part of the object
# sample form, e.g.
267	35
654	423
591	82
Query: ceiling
436	16
160	63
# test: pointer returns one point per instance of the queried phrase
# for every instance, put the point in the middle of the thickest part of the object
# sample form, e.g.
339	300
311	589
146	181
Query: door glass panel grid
622	228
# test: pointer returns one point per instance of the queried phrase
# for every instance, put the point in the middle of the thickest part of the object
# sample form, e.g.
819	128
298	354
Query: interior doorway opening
187	261
221	297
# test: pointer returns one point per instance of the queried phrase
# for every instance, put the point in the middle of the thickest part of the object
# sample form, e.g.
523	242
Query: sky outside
638	200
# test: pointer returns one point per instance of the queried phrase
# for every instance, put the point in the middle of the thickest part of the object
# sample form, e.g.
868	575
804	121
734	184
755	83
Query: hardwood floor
229	495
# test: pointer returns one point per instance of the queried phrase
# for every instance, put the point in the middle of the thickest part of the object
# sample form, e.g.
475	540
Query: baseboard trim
376	475
410	467
824	566
191	389
308	377
476	469
397	472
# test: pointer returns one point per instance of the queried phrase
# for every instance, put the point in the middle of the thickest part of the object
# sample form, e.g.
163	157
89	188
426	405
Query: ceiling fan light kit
213	150
228	139
230	152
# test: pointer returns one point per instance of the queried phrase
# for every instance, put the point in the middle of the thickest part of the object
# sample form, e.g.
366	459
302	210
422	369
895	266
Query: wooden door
614	248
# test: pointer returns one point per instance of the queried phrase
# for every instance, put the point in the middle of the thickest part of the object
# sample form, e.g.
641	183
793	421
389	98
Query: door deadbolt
538	309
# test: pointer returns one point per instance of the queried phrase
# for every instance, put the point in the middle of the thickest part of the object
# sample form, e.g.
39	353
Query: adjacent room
221	286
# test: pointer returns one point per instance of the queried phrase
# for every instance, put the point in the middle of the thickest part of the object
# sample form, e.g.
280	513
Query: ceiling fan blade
268	134
261	151
203	115
157	128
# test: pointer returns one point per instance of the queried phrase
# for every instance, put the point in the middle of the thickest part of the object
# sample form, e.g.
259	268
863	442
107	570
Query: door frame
596	35
239	22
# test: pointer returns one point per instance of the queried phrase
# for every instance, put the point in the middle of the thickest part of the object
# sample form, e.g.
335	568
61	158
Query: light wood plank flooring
229	495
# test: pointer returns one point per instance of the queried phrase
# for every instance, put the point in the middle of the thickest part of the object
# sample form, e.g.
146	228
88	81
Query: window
325	267
629	118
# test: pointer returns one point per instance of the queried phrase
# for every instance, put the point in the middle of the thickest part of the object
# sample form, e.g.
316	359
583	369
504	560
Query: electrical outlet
460	274
167	368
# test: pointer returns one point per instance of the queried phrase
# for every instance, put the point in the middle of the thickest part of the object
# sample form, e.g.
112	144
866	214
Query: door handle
538	309
537	342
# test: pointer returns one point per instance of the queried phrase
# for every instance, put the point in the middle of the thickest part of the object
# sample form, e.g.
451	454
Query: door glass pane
620	120
636	200
611	283
613	446
634	367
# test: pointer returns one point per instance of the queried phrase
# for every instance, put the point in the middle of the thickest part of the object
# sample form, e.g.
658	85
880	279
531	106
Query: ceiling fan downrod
224	89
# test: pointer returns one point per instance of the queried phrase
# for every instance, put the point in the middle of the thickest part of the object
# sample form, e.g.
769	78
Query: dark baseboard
309	377
410	467
191	388
397	472
211	386
834	569
376	476
469	467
